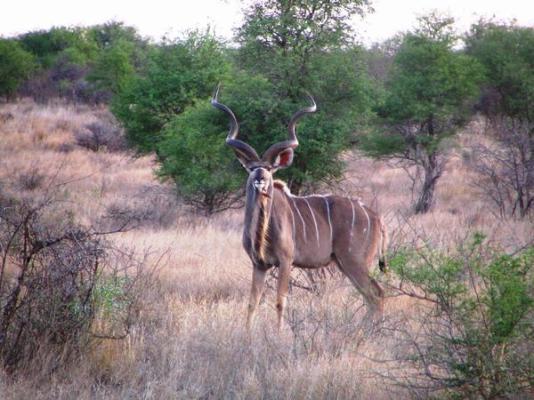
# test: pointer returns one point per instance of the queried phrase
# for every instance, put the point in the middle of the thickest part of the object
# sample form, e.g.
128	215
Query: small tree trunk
432	172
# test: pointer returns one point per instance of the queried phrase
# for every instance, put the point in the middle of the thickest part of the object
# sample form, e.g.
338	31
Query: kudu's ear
281	159
280	155
246	158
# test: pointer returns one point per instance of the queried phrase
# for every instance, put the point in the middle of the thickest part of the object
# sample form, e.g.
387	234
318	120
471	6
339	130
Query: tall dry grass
189	340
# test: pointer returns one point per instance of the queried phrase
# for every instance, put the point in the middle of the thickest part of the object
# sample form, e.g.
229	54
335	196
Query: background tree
507	54
82	64
113	67
16	64
307	45
122	52
427	100
507	169
193	152
178	73
195	158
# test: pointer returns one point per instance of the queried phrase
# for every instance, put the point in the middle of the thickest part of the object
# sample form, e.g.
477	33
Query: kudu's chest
296	228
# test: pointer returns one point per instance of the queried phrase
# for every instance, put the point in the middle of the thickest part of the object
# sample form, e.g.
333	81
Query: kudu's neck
258	212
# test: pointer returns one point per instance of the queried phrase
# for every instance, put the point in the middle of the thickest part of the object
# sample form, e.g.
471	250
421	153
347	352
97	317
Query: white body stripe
352	225
302	219
313	216
293	221
329	219
368	220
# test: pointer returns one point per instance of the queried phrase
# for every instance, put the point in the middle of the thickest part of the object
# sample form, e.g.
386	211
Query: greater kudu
283	230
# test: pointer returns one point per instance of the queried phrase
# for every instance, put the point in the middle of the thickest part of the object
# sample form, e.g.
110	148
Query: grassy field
189	339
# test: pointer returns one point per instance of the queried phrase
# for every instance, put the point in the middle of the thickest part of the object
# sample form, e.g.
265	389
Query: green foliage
304	46
110	296
429	88
428	96
379	143
16	64
429	81
121	53
85	64
509	294
113	68
279	38
193	154
177	74
475	338
507	54
110	33
70	44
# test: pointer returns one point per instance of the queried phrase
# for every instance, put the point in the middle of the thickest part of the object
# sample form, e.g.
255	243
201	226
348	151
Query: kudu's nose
261	186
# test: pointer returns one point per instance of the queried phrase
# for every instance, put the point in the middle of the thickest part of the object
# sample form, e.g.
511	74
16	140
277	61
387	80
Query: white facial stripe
260	183
314	220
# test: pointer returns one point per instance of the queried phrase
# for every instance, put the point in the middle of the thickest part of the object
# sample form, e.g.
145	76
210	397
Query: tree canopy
507	54
16	64
177	75
427	99
306	46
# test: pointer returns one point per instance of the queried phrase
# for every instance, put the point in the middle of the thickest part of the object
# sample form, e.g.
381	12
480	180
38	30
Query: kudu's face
260	178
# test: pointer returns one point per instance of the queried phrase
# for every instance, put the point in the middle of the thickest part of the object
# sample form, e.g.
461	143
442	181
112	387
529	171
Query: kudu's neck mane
258	214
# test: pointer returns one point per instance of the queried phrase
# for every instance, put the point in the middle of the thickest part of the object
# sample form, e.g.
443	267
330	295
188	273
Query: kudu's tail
382	262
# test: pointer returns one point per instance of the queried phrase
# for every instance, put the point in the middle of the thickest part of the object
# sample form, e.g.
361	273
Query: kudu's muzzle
262	186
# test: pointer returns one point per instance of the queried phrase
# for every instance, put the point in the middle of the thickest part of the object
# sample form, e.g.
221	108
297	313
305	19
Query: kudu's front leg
284	274
258	282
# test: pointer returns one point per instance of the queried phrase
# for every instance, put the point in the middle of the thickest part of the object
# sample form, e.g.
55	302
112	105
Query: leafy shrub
177	74
16	64
197	160
474	336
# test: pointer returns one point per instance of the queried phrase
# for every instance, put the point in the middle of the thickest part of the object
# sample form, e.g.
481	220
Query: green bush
113	67
16	64
308	46
193	155
72	44
507	54
428	96
475	339
178	73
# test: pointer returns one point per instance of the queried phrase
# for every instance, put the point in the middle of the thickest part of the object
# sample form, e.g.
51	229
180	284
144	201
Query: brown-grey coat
282	230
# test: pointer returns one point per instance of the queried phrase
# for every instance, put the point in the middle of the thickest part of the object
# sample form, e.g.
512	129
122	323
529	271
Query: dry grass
190	340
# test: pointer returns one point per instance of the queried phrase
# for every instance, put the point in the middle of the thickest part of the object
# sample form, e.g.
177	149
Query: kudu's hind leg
371	291
258	282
